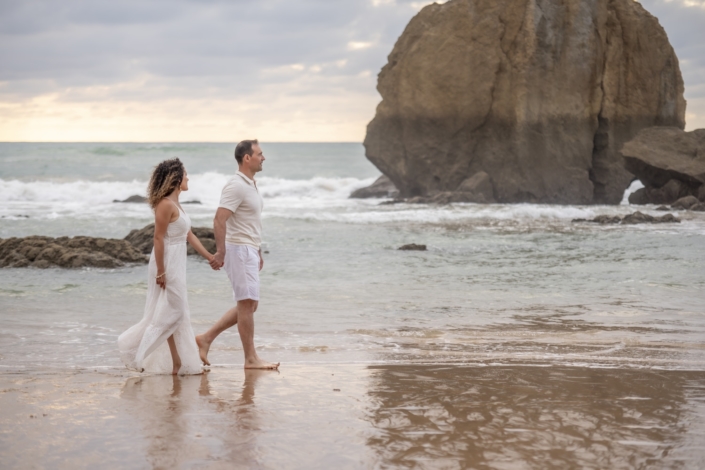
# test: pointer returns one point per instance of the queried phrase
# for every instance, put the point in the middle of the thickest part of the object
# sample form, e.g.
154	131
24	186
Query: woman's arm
162	217
198	246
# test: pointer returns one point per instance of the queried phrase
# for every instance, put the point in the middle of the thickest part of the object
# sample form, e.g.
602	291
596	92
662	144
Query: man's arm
261	259
221	217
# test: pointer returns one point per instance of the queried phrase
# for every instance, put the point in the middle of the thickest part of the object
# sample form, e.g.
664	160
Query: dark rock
65	252
640	196
699	207
540	98
670	163
606	219
640	218
133	198
659	154
685	202
382	187
663	208
195	201
143	239
635	218
412	247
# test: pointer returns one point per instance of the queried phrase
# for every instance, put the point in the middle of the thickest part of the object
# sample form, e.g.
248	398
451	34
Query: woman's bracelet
162	274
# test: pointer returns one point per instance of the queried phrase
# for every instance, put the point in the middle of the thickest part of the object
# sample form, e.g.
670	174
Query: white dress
144	346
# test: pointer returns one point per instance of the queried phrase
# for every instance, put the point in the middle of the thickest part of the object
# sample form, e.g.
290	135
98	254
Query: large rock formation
538	94
65	252
670	163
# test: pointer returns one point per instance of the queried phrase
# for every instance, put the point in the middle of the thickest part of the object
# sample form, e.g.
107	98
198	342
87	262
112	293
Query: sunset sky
182	70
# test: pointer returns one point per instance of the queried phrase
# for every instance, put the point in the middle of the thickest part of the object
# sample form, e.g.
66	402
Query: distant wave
204	187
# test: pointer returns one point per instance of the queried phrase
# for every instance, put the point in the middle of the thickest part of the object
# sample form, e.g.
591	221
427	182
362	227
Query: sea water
499	284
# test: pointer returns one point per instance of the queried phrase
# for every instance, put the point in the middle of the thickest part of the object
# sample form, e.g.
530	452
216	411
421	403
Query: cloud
217	69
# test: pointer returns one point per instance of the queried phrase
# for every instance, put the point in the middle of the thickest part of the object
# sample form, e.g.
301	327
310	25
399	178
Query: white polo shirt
241	197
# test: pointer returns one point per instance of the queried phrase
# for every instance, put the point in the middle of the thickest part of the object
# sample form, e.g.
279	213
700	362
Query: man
238	228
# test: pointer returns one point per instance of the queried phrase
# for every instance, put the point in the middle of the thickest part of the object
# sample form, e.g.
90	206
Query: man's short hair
244	148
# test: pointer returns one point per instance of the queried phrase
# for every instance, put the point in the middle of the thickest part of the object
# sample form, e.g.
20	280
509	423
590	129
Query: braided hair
166	178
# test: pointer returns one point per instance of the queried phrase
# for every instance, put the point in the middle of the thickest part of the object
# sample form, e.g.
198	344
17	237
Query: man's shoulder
234	182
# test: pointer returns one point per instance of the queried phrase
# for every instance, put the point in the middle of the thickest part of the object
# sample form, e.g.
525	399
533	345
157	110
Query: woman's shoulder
165	206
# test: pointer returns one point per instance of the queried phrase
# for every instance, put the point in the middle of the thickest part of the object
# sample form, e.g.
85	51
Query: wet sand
355	416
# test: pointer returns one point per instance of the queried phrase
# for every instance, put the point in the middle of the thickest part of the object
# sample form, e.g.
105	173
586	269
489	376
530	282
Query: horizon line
173	142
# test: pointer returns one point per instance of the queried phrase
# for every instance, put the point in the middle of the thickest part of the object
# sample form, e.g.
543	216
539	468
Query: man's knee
247	305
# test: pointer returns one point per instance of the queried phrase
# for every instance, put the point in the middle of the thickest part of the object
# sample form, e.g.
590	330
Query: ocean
501	286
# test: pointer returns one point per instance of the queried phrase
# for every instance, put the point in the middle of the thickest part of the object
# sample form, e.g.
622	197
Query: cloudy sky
216	70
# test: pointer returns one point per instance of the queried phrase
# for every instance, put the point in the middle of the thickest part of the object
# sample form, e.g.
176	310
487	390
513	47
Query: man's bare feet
203	347
260	364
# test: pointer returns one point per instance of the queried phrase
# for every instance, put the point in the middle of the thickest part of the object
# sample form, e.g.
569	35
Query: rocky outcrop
143	239
670	163
65	252
135	198
382	187
631	219
79	252
537	94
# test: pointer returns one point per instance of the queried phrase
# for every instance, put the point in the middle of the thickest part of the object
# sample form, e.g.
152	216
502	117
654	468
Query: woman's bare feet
175	358
203	347
258	363
177	366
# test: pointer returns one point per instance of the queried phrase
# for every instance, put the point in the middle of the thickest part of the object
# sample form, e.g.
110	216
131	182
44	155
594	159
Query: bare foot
177	366
260	364
203	347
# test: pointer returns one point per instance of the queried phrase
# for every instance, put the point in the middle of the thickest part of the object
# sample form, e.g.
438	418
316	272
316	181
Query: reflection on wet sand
355	416
243	420
534	417
179	424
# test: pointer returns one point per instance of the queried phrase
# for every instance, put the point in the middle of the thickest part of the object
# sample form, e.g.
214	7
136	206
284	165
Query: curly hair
166	177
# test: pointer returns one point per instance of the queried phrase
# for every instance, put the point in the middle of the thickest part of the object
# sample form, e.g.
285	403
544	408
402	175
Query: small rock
606	219
663	208
699	207
639	197
133	198
637	218
336	389
382	187
195	201
685	202
412	247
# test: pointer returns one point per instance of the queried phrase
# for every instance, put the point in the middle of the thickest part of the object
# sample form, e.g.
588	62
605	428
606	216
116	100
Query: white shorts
242	266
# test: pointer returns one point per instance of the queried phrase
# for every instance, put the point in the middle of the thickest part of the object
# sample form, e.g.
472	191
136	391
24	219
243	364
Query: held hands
217	261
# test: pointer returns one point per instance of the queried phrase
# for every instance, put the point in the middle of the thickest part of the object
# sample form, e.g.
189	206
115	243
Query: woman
164	341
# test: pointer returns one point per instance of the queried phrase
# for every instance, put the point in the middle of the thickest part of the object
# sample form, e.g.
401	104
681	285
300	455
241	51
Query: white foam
56	199
636	185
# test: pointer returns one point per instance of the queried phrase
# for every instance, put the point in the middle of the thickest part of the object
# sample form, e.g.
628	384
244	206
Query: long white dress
144	347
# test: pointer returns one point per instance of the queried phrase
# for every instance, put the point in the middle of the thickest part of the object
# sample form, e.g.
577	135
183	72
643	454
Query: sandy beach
355	416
